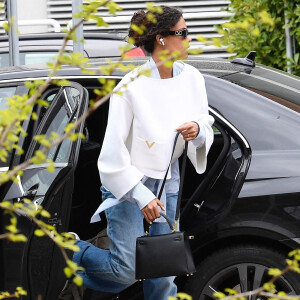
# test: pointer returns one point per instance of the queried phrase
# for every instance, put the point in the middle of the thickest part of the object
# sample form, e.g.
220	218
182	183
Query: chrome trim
20	185
231	126
45	165
212	289
67	101
59	77
37	202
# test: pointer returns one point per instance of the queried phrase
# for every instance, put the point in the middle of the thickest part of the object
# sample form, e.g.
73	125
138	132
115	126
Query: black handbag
167	254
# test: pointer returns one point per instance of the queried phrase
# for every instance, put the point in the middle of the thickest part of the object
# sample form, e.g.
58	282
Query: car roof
95	45
61	35
212	66
260	79
218	67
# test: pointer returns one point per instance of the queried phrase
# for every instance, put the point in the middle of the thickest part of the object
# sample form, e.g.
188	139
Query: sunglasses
183	32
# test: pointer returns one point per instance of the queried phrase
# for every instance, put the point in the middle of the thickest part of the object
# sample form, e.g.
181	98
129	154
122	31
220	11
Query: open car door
227	166
38	262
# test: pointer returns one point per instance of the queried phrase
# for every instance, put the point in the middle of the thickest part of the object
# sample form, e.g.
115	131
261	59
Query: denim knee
126	274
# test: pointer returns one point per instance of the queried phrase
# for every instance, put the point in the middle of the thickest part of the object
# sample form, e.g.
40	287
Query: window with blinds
2	16
201	16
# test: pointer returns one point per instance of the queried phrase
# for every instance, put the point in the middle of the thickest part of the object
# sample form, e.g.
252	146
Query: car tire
242	268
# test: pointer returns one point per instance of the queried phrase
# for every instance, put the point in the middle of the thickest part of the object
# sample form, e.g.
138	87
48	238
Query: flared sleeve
198	155
117	174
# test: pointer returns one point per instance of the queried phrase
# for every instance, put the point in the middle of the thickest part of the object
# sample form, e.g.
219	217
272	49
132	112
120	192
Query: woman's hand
189	130
151	212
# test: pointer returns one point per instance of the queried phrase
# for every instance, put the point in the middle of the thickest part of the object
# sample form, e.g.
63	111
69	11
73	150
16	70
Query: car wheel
242	268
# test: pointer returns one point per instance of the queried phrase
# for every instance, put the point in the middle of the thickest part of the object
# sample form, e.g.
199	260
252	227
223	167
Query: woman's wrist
198	127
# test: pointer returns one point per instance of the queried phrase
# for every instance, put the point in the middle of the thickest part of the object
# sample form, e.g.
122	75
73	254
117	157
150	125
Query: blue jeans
113	270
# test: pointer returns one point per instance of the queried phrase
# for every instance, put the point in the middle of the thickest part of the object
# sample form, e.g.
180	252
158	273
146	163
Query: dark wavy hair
165	20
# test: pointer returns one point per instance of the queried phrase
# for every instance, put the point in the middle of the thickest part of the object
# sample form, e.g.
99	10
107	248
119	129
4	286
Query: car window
57	120
4	60
58	125
286	103
37	57
262	121
6	92
273	84
73	92
27	58
50	97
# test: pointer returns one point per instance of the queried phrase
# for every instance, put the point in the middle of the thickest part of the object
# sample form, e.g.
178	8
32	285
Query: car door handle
38	201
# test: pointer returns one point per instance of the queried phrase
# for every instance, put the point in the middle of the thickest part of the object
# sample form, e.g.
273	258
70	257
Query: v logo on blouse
149	145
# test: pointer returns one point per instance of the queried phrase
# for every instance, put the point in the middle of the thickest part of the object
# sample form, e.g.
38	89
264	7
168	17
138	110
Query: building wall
32	10
200	16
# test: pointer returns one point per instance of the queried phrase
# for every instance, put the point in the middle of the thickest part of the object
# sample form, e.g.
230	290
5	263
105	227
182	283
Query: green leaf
296	58
274	272
138	29
78	280
270	287
39	232
195	51
255	32
73	137
183	296
230	291
101	23
51	166
68	272
12	228
71	264
21	291
219	295
45	214
69	127
73	248
39	157
200	38
131	41
168	64
5	204
19	238
151	18
61	82
34	116
6	26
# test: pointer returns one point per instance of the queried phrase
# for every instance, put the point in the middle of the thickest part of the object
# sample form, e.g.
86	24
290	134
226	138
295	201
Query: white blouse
147	188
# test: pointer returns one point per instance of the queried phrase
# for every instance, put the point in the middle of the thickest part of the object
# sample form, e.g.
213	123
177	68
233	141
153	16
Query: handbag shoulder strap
181	175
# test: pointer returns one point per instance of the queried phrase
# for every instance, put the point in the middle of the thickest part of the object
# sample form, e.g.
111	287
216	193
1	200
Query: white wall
32	10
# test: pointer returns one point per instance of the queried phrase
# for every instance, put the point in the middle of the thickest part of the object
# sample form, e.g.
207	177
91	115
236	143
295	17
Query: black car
244	211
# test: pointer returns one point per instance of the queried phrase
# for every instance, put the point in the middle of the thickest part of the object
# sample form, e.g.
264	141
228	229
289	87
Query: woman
136	151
